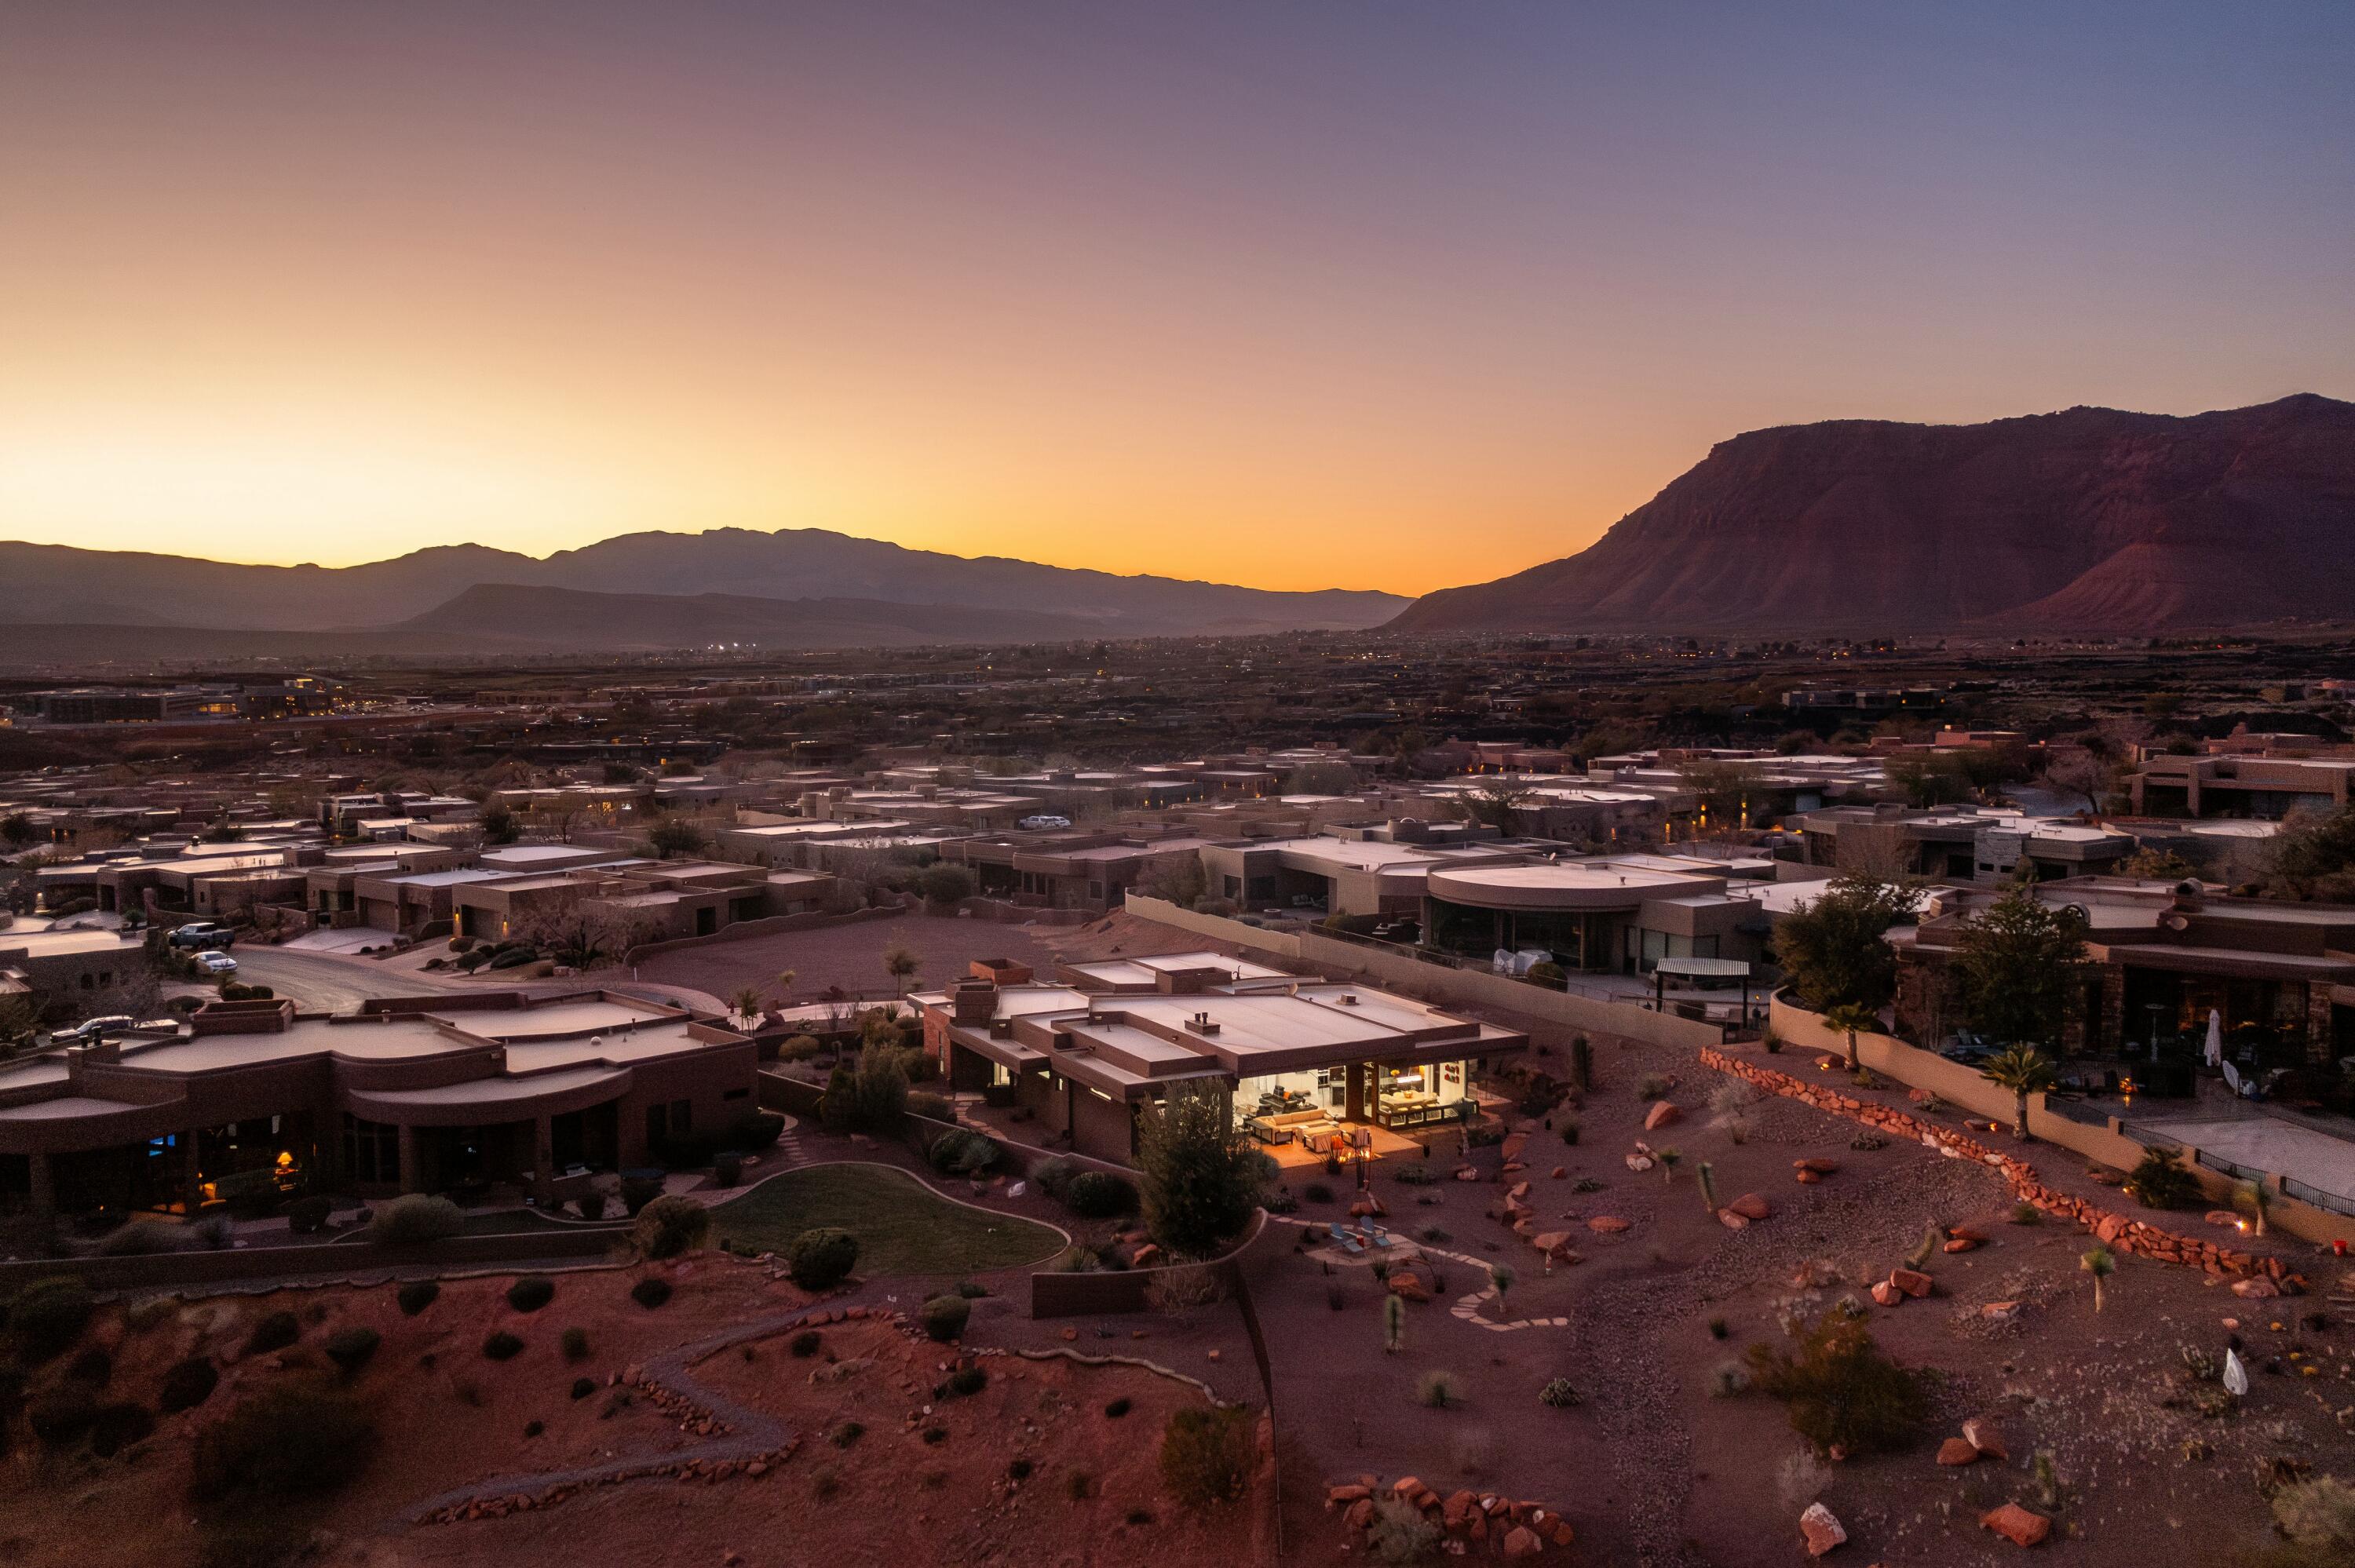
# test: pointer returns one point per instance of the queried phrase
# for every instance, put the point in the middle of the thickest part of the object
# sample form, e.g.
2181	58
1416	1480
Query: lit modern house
410	1094
1310	1065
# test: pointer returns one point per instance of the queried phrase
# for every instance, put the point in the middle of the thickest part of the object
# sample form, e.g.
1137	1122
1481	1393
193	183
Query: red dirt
849	956
450	1417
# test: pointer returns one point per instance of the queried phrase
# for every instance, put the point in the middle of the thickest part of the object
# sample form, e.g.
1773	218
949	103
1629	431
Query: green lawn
902	1226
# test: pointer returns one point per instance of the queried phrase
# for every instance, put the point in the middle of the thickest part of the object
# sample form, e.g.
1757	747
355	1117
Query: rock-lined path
742	1440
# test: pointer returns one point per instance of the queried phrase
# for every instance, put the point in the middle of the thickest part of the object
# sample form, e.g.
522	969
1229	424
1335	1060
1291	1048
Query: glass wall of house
1391	1094
1575	939
1423	1094
2265	1021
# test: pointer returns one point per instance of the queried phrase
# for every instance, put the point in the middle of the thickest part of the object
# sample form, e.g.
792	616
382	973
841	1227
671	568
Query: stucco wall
1399	971
1803	1031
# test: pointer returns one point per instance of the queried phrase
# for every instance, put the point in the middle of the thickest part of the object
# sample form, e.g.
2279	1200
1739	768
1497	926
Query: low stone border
2114	1230
747	1442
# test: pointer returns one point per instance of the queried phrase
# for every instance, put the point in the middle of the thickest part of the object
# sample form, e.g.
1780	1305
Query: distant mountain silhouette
491	617
2087	520
55	584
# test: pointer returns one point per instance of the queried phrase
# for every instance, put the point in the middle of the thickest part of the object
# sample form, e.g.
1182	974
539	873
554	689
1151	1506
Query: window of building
371	1150
737	1094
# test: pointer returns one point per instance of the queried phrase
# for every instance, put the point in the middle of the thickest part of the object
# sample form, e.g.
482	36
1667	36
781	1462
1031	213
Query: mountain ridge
2081	520
66	584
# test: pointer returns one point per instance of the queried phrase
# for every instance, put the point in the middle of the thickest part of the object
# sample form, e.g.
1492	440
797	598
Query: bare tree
580	928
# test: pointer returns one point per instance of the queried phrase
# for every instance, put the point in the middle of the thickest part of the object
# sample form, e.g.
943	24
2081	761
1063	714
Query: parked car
215	964
202	934
91	1030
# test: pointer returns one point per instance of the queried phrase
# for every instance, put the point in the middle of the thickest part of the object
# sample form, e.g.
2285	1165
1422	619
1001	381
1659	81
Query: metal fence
2336	1203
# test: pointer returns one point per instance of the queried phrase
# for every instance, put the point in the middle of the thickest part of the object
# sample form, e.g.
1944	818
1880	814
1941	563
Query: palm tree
1668	1159
900	961
1851	1019
785	983
2024	1070
1502	1278
2099	1265
747	1002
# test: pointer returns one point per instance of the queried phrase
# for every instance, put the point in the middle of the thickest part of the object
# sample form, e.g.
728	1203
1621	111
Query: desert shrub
1719	1329
1080	1486
1654	1086
48	1316
2159	1180
1400	1535
936	1435
1559	1394
60	1419
1118	1408
415	1218
351	1348
275	1331
308	1216
1730	1379
651	1292
574	1343
966	1382
531	1293
1053	1176
843	1435
1842	1390
416	1296
819	1259
502	1346
140	1238
1438	1390
637	1192
2319	1513
971	1290
1206	1454
582	1387
727	1170
187	1385
963	1152
807	1343
945	1316
117	1426
2025	1214
669	1226
287	1441
214	1233
149	1312
930	1106
93	1366
1098	1195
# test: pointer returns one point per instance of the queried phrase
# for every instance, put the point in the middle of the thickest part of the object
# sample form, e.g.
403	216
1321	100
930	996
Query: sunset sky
1289	292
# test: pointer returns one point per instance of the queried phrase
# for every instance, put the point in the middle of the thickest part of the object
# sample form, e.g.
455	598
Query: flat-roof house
418	1095
1307	1062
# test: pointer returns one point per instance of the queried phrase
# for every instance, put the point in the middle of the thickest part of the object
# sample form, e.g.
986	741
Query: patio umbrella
2215	1038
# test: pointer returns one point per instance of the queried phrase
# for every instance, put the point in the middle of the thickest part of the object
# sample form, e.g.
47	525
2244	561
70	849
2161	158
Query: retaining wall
1054	1294
2119	1232
1402	970
166	1271
2104	1143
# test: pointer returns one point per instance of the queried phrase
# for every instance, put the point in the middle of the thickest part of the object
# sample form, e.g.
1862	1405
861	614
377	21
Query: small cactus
1393	1323
1705	1174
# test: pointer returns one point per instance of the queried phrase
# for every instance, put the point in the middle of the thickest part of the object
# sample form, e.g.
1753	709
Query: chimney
974	1000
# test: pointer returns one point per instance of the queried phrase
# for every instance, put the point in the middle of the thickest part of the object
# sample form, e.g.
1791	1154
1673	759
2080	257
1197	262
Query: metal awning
1704	969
